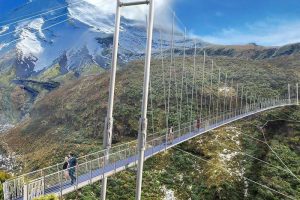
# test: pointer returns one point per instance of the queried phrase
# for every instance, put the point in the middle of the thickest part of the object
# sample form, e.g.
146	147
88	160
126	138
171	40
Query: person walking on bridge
72	167
171	135
65	168
198	124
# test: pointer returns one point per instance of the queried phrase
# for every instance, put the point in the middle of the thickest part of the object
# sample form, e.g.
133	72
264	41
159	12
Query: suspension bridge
92	167
196	114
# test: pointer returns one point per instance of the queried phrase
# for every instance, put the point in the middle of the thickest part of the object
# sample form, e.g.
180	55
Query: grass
51	73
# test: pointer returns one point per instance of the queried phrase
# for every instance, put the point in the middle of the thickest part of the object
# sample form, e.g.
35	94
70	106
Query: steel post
143	120
109	119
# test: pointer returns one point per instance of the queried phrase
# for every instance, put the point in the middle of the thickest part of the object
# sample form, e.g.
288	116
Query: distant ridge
252	51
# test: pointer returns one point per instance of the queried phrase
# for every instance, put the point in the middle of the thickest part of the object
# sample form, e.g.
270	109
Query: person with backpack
72	167
171	135
198	124
65	168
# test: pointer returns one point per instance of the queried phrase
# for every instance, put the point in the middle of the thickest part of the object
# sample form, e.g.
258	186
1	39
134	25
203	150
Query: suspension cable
225	93
19	30
251	156
150	89
266	143
196	85
236	98
186	84
231	94
38	14
151	105
202	85
169	90
193	84
279	157
218	92
238	174
182	79
242	94
211	88
164	81
176	92
46	28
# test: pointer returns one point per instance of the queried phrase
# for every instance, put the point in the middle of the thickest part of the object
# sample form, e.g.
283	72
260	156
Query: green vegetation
192	178
72	117
11	98
281	136
5	78
92	70
3	177
50	73
47	197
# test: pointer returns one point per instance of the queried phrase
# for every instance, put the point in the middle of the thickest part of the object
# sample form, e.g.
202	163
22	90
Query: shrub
47	197
4	176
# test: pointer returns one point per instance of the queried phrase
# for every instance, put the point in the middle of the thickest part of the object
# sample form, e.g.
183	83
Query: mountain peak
80	32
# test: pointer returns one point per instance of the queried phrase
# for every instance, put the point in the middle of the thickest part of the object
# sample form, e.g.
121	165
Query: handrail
114	147
81	157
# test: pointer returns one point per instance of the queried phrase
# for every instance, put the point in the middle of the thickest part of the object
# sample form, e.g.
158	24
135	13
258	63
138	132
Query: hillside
253	51
181	175
72	116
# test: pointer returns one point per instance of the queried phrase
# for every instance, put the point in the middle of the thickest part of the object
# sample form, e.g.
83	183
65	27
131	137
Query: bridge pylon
143	121
108	129
107	135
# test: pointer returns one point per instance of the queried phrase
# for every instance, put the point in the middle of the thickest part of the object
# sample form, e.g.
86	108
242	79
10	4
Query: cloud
3	29
108	7
270	32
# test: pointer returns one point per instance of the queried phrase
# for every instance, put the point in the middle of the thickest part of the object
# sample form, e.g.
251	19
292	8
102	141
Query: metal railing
91	167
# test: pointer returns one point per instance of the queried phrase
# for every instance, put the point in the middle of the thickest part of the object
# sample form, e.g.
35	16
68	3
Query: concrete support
143	120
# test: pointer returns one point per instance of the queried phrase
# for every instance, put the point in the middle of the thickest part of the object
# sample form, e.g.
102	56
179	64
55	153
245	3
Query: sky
265	22
7	5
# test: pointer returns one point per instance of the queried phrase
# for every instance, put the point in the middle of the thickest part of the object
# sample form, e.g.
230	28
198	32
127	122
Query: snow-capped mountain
74	34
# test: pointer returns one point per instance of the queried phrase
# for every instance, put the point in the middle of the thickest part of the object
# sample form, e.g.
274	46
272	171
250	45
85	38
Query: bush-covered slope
230	154
71	118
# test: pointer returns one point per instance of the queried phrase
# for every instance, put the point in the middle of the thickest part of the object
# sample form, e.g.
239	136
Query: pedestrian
72	167
198	124
65	168
171	135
